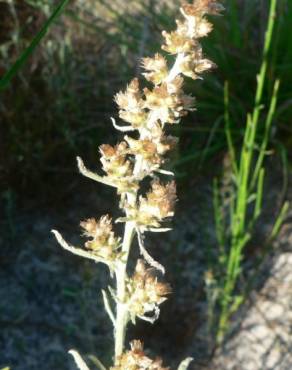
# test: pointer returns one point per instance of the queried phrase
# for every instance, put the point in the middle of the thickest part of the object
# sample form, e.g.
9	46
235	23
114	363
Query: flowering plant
146	113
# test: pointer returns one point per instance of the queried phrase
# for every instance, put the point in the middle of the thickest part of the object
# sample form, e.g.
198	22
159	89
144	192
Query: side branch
108	307
121	128
91	175
146	255
78	360
78	251
185	364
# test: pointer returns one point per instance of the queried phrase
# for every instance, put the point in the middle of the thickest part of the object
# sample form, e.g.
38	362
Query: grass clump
235	222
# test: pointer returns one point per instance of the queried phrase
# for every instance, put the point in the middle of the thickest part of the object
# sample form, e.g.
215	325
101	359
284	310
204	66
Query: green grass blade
280	220
228	131
34	43
259	195
214	130
265	140
219	224
261	78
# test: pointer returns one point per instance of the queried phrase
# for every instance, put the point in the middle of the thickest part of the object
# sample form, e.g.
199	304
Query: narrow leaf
34	43
185	364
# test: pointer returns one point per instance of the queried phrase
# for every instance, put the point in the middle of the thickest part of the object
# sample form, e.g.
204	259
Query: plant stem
121	275
122	316
261	78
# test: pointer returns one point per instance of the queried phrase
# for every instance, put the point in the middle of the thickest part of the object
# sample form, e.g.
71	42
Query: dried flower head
152	150
165	105
194	27
158	204
201	7
157	69
114	160
145	292
131	105
194	64
135	359
184	40
119	169
164	142
102	241
131	98
177	42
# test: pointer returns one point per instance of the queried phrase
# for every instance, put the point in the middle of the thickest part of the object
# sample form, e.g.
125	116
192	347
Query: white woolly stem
78	251
108	307
91	175
121	128
176	69
147	256
122	315
78	360
185	363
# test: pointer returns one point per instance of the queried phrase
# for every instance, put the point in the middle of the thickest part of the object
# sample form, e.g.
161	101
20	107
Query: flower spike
142	153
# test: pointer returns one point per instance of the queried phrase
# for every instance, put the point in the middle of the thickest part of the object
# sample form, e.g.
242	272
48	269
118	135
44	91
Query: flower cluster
157	69
184	40
157	206
114	161
103	241
145	293
131	105
167	102
136	359
118	167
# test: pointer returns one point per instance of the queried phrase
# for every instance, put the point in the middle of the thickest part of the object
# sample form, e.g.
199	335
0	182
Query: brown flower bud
131	105
157	68
201	7
114	160
204	65
131	98
145	292
177	42
203	28
194	64
153	149
144	147
193	26
160	97
162	198
136	119
164	104
158	205
175	86
103	241
135	359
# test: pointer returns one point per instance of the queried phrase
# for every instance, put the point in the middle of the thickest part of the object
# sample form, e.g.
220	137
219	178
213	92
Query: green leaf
34	43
